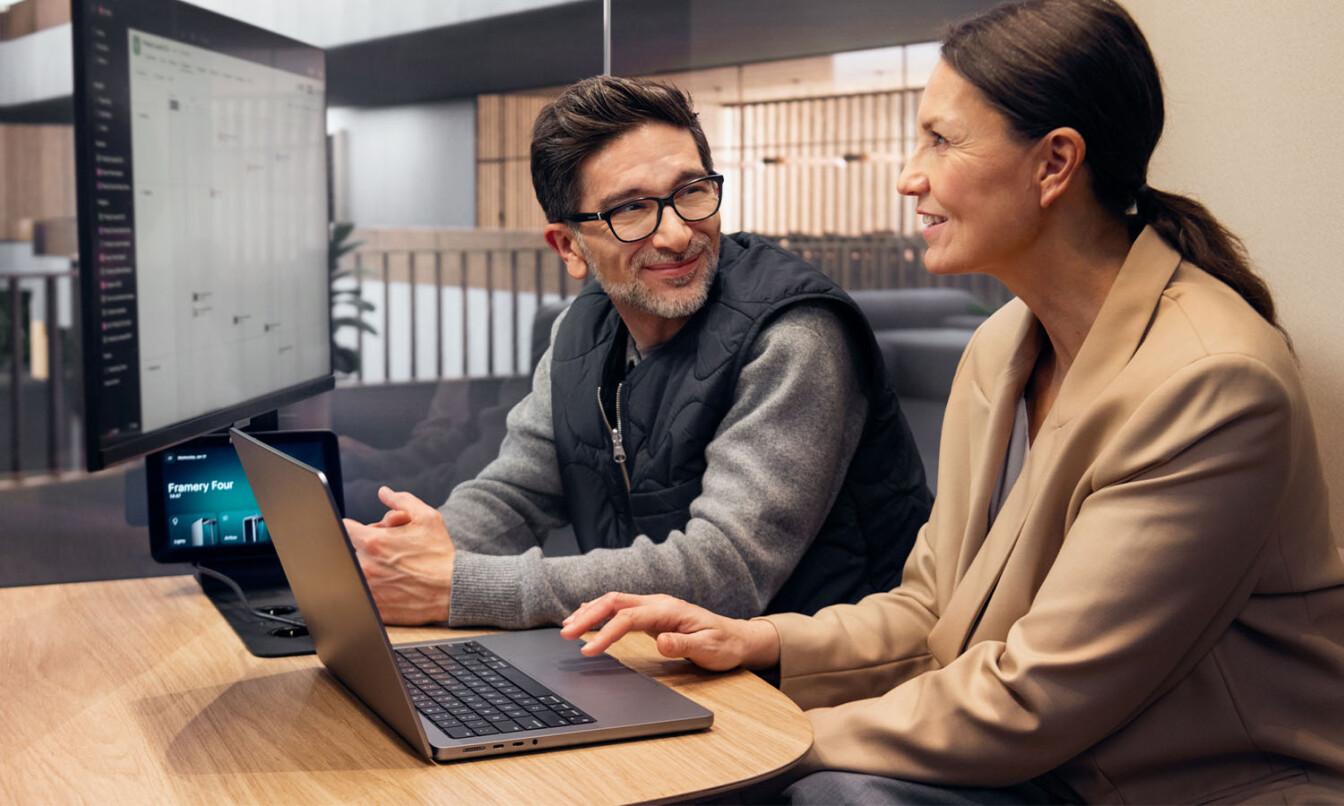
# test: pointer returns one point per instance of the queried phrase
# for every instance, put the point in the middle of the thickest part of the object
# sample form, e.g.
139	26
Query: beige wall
1255	130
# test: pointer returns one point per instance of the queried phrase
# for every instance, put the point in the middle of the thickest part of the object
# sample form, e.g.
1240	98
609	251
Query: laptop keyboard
467	690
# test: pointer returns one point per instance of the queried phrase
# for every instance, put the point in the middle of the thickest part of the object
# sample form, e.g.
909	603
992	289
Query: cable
238	591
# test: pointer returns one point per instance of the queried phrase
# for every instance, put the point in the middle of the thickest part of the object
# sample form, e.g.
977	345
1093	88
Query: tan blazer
1157	614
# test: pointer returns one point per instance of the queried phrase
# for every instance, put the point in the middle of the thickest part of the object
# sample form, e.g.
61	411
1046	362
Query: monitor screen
203	216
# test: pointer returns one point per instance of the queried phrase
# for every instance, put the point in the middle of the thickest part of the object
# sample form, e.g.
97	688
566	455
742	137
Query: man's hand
681	629
407	558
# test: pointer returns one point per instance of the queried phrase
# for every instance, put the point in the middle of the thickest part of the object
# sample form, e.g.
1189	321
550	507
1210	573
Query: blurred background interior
443	288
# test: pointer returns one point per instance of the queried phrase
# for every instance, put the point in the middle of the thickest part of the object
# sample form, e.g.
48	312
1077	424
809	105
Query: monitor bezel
98	453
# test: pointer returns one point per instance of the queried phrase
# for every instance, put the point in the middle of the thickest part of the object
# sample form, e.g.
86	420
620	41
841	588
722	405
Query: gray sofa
921	333
432	435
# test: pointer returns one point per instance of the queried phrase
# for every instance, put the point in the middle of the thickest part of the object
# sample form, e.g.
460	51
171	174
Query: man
711	418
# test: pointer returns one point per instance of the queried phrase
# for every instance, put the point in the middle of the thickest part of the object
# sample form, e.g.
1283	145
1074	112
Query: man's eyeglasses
637	219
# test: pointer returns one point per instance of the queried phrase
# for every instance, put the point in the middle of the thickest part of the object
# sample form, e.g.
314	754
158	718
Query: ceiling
551	43
563	43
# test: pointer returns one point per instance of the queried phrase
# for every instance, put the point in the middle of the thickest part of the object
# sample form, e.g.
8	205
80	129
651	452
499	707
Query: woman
1128	589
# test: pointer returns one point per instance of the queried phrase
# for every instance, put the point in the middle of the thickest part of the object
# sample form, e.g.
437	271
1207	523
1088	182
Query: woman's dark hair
1085	64
588	115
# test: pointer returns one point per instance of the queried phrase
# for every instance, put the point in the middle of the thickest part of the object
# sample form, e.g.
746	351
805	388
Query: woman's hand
681	630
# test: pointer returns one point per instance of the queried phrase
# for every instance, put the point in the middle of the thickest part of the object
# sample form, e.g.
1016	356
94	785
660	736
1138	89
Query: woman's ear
565	241
1061	159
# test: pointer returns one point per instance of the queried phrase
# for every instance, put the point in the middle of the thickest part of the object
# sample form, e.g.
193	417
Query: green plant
344	359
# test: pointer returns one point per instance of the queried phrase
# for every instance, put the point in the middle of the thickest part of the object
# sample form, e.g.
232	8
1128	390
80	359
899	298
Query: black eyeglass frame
662	201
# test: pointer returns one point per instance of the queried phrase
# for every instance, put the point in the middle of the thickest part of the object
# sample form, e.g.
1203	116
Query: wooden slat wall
37	177
822	166
6	180
27	16
504	195
825	164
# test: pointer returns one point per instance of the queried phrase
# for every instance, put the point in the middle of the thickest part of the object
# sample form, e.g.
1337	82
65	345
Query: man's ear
563	239
1062	152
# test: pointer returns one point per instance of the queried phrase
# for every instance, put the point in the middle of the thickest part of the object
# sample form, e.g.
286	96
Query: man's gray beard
635	293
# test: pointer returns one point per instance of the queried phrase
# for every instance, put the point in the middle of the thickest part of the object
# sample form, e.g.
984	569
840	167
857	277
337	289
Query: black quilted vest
671	405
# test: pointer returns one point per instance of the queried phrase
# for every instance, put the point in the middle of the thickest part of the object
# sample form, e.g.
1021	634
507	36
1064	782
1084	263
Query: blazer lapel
1119	327
994	437
1112	341
983	550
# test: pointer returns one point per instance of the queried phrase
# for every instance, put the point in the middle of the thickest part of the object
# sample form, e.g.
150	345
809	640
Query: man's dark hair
590	114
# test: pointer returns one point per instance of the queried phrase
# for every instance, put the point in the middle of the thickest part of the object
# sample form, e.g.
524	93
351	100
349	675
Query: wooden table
137	691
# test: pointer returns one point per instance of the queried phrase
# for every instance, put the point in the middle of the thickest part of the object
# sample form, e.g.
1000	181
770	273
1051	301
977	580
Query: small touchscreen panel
201	505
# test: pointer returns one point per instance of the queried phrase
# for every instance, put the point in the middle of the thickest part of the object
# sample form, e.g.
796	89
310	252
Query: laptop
451	700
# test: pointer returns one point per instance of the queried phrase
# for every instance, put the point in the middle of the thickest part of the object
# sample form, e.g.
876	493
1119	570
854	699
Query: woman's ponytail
1193	232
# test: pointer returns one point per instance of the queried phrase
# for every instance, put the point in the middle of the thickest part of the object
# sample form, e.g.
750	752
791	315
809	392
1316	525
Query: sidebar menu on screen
111	257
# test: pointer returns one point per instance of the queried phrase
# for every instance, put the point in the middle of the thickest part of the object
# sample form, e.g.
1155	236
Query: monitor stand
263	580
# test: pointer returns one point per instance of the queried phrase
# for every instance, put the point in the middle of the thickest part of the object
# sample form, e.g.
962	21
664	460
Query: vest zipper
617	441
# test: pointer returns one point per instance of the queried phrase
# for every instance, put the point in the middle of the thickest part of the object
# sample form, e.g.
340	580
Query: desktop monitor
203	219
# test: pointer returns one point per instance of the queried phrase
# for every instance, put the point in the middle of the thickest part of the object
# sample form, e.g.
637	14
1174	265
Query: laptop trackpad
600	686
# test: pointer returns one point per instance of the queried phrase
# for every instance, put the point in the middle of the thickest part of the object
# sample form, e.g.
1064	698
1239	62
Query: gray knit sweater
773	471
